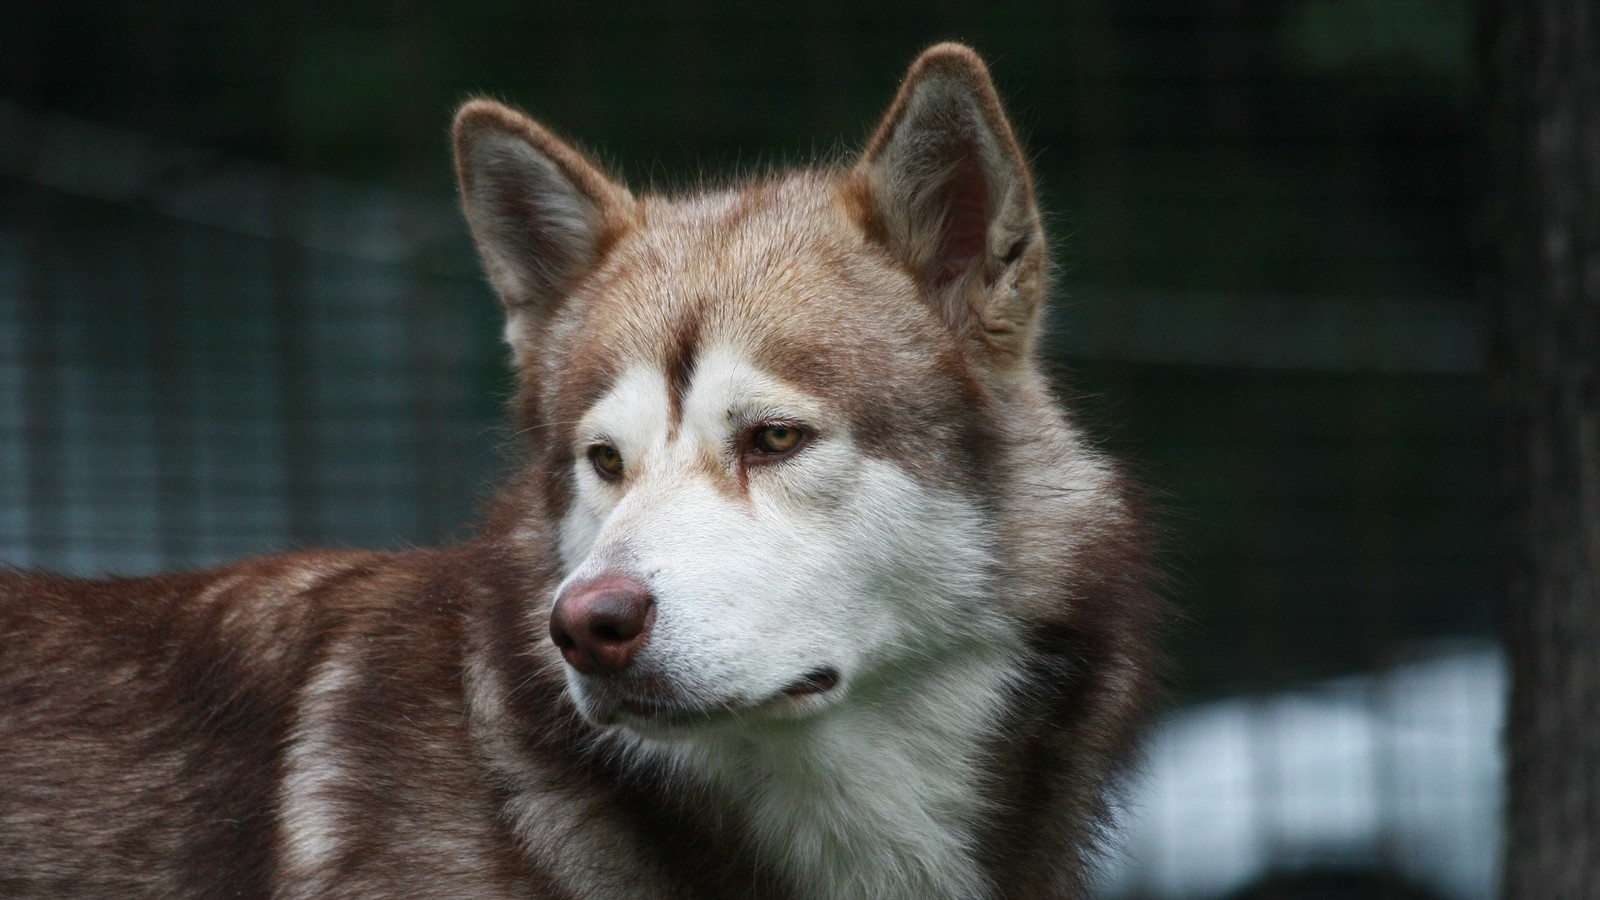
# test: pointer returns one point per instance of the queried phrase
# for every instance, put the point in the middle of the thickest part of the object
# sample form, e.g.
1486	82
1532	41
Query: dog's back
209	734
806	586
142	725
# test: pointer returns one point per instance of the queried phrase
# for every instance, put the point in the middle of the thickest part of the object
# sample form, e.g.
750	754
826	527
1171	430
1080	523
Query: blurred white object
1400	770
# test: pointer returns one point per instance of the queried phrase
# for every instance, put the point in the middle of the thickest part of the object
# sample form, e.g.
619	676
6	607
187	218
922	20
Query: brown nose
600	624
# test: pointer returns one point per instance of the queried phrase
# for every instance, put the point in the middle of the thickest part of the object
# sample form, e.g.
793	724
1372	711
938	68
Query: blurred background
239	314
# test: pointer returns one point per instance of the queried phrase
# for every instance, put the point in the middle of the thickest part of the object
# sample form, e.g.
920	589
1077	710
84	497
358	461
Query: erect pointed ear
541	213
950	194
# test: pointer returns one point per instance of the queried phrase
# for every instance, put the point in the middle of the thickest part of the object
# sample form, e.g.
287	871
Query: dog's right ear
541	213
948	191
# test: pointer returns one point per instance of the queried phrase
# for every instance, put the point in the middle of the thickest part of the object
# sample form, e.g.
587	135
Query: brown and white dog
807	587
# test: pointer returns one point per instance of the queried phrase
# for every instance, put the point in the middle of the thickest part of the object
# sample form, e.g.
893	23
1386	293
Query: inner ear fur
541	213
950	194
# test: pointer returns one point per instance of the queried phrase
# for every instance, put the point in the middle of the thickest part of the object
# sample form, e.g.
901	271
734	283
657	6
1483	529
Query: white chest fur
881	797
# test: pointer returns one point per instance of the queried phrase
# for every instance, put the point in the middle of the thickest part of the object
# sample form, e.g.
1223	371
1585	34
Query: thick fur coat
806	587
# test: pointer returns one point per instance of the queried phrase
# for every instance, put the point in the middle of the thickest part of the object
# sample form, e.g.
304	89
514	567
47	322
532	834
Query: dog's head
771	419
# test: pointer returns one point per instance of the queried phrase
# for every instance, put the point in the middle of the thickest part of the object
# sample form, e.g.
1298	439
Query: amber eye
607	461
775	439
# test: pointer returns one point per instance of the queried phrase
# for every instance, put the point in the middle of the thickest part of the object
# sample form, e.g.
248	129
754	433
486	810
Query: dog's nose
600	624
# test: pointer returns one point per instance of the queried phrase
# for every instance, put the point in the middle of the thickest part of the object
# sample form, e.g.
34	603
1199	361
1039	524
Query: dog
806	587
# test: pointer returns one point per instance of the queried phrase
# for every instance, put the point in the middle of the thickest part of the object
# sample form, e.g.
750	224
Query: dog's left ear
541	212
949	193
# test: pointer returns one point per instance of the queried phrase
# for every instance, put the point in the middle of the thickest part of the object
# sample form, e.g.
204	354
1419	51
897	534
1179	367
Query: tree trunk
1542	63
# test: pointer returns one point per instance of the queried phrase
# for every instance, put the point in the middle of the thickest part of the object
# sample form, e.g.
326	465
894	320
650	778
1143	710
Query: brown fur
167	736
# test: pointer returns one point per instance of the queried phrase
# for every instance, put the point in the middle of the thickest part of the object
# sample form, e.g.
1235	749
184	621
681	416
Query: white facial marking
763	574
825	558
633	418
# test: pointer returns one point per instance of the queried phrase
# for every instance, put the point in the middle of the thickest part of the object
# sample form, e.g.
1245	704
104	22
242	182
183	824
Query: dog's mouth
659	709
820	681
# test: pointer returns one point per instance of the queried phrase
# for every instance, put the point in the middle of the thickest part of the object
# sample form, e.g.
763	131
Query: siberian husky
807	587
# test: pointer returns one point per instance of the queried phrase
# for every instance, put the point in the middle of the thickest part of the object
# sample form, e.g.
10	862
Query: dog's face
775	443
767	415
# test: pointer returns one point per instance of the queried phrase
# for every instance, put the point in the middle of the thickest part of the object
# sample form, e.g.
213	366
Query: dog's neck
881	796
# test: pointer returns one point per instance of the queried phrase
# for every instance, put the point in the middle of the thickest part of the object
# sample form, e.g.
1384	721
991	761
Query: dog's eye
607	461
775	440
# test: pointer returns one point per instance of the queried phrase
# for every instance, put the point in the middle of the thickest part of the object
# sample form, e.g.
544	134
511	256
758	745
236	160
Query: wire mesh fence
208	362
203	358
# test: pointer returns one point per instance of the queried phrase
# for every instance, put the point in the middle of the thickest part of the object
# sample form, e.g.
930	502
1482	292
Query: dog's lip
654	708
662	710
817	681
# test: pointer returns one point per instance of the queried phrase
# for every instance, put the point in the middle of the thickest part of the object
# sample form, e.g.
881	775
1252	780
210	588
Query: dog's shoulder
194	716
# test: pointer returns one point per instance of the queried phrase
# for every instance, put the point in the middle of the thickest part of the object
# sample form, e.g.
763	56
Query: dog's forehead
778	257
779	269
